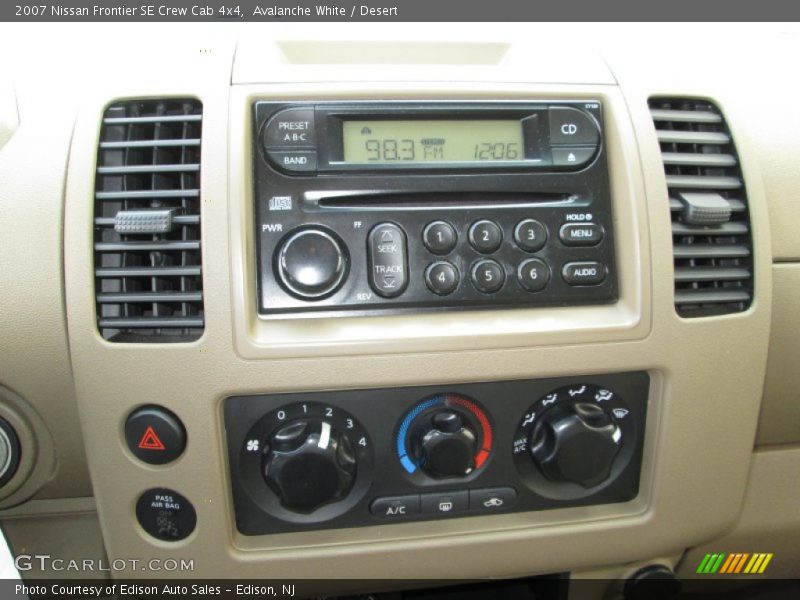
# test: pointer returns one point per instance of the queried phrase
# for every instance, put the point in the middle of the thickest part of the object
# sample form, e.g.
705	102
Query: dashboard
294	303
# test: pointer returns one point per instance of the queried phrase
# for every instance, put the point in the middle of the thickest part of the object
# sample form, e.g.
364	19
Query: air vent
710	223
148	274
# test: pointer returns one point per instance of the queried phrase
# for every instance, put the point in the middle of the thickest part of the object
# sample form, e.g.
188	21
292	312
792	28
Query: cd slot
328	201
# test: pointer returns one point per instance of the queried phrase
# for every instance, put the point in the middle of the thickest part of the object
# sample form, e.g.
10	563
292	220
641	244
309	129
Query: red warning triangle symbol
151	441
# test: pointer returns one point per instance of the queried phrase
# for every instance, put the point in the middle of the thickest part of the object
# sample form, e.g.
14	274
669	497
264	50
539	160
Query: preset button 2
388	260
485	236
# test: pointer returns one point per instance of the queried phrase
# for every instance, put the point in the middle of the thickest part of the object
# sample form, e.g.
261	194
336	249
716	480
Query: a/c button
395	507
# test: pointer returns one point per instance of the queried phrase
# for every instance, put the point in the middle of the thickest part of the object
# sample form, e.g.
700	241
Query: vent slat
146	194
736	205
685	116
151	119
718	296
710	251
177	219
146	246
149	286
151	297
148	169
710	138
148	144
151	323
698	160
701	182
147	272
732	228
713	264
685	274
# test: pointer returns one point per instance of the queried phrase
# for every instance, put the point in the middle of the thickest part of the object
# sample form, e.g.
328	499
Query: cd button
533	275
441	278
445	503
488	276
439	237
572	126
485	236
584	273
395	507
387	259
581	234
295	161
572	157
292	128
530	235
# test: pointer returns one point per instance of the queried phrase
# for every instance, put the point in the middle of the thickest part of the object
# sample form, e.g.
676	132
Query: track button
395	507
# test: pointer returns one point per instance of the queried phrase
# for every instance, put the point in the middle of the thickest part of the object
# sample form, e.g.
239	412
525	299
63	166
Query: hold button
388	263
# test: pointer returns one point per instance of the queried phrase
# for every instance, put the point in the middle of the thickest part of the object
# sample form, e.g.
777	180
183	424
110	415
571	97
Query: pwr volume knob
311	263
309	464
576	443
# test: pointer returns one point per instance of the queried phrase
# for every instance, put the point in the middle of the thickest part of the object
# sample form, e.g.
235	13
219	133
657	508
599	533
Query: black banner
239	11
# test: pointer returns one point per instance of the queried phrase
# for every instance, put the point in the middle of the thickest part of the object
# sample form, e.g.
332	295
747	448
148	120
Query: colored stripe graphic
735	563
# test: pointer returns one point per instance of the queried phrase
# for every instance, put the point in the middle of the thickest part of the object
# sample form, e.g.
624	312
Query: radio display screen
428	141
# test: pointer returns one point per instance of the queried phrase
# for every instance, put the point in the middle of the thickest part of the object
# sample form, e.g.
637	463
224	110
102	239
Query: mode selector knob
576	443
311	263
309	464
446	445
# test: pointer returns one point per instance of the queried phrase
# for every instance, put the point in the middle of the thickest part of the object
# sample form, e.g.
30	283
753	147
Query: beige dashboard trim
699	438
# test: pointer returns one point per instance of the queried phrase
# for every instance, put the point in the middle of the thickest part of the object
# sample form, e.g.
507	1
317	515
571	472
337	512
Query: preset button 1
388	262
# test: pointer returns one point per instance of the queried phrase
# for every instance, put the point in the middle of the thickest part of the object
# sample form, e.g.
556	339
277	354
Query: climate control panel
366	457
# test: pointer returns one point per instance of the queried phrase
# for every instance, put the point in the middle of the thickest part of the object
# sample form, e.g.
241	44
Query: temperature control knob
445	445
576	443
309	464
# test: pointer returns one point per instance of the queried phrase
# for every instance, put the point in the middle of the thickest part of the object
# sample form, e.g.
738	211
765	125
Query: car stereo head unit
331	138
365	208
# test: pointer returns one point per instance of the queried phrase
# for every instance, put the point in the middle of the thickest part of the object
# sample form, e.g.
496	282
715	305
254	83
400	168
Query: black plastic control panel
337	237
365	457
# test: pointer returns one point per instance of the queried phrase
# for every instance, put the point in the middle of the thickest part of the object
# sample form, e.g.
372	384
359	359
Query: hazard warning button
155	435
